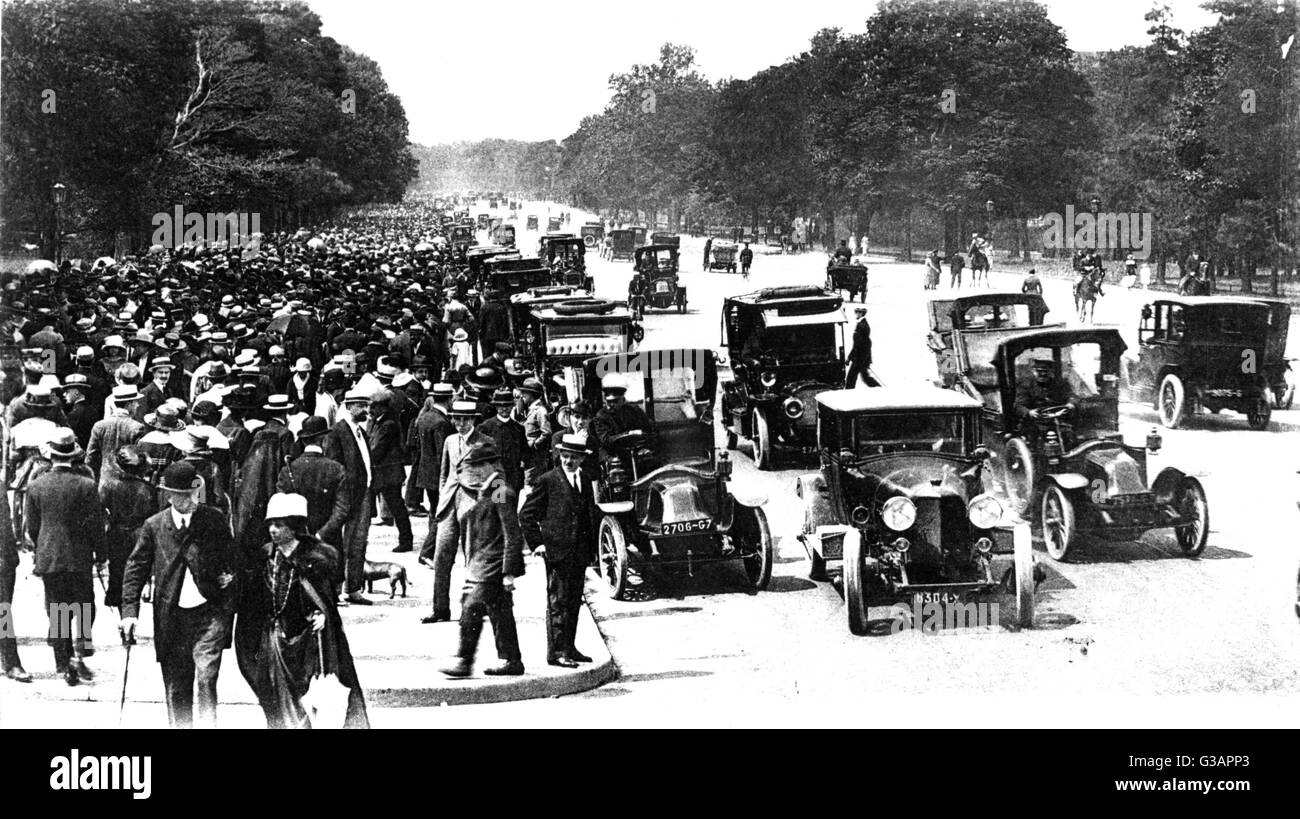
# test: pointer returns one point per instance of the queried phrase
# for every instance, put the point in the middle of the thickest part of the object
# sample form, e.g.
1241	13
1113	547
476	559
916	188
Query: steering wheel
1053	413
627	440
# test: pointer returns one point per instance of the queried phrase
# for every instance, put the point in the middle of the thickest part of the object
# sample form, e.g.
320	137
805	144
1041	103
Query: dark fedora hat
312	428
180	476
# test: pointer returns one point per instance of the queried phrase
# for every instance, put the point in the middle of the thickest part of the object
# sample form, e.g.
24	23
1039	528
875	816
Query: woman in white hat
289	622
462	354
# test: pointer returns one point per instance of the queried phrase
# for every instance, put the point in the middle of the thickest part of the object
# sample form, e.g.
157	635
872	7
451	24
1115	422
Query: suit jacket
305	397
65	521
341	446
387	456
426	436
207	550
562	520
453	451
327	487
511	444
488	530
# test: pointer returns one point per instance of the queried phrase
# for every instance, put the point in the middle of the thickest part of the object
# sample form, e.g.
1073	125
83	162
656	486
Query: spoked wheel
1172	401
612	555
756	538
1058	523
1018	474
855	590
1258	417
1024	564
763	458
1192	504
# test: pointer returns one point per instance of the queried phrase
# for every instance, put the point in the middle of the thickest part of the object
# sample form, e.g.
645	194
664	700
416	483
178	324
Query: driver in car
617	416
1045	390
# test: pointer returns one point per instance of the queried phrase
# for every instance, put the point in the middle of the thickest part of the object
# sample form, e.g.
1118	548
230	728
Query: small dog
378	570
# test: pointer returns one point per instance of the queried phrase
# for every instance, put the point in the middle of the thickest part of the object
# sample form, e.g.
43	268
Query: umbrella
289	325
316	243
105	261
157	249
326	700
423	247
42	266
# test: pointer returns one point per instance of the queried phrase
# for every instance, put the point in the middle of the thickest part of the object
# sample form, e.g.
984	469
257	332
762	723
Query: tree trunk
907	235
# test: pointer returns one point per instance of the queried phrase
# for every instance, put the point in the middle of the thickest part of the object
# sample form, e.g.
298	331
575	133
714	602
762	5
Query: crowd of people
216	432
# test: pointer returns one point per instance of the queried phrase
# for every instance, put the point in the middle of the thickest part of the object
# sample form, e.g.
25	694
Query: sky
532	70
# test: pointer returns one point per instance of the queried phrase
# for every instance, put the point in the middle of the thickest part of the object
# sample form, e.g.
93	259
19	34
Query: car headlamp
984	512
793	408
898	513
768	378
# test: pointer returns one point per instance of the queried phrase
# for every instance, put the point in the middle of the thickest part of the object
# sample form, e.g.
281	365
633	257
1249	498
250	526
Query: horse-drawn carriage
850	278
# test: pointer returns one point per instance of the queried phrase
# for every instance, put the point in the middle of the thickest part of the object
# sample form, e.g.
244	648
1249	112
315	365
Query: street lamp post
988	227
1095	201
60	195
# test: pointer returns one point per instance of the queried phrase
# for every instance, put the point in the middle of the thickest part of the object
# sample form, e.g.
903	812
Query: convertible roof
1018	343
654	248
1005	297
1211	301
895	398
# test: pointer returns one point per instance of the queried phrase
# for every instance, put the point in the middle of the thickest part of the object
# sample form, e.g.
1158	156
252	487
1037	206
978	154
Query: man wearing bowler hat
64	519
322	481
188	552
487	529
508	434
559	522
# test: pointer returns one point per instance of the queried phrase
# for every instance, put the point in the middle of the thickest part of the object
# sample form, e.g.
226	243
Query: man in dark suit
487	528
860	354
188	551
425	439
323	482
493	322
347	444
65	521
388	463
508	434
559	522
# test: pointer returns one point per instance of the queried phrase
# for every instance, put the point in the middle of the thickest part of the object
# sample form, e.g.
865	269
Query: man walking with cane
188	551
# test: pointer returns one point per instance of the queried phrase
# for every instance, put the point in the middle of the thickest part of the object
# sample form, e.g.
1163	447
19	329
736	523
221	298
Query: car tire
611	556
1057	520
1191	500
763	457
758	566
1171	401
1024	564
855	590
1259	418
1019	474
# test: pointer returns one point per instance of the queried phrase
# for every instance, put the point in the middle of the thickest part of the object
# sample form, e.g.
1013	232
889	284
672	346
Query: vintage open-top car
978	311
507	275
620	245
665	494
722	256
850	278
476	257
592	233
558	334
901	506
1066	462
658	265
786	345
461	236
1215	352
566	256
503	235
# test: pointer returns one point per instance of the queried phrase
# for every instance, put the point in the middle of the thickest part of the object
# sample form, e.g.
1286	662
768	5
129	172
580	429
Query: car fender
615	507
1069	481
818	509
1166	483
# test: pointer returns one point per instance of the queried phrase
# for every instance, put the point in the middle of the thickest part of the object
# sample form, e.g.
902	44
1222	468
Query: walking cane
126	669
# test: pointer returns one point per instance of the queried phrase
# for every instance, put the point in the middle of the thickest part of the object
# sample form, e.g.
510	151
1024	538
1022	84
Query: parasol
316	243
157	249
289	325
423	247
42	266
105	262
326	700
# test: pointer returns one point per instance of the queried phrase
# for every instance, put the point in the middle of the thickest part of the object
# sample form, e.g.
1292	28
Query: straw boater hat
63	445
573	444
125	393
464	409
278	403
442	391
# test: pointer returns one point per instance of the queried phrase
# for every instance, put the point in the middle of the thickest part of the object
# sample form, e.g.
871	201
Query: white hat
302	365
282	505
613	381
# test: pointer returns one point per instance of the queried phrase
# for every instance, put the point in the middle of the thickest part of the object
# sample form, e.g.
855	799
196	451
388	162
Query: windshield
795	344
1078	365
930	431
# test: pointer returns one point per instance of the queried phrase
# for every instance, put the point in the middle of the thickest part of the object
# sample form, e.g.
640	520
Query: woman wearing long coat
289	621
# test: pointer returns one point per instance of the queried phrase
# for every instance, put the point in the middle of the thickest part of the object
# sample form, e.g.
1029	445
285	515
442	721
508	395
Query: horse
1086	291
979	267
